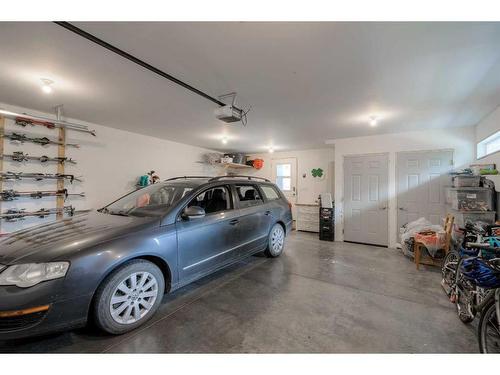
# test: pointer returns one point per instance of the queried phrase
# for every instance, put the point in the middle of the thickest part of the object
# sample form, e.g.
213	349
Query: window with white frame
489	145
284	176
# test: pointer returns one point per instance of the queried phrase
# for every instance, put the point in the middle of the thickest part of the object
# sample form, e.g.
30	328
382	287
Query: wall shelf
234	165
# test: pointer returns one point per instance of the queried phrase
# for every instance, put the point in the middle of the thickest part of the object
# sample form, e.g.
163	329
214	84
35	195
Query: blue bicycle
485	274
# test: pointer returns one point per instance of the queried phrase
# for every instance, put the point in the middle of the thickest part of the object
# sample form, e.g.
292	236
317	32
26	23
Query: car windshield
153	200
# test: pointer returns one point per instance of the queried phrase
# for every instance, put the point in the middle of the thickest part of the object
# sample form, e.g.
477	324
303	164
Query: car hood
61	239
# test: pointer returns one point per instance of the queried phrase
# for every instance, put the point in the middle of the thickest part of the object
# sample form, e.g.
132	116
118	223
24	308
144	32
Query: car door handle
234	222
267	213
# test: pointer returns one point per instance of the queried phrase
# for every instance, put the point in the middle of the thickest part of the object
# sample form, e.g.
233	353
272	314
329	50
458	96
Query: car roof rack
187	177
239	176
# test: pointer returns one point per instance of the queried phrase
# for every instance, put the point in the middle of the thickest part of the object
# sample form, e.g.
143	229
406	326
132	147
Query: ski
11	176
43	141
20	156
24	119
15	214
10	195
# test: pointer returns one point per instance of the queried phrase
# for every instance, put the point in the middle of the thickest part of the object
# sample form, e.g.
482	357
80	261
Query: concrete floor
318	297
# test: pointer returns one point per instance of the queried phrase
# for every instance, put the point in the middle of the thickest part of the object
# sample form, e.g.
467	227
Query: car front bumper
41	309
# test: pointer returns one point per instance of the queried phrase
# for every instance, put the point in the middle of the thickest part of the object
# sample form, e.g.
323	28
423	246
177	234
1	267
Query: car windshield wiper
118	213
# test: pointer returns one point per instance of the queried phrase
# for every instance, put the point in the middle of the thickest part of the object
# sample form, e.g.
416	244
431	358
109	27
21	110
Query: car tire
128	297
275	241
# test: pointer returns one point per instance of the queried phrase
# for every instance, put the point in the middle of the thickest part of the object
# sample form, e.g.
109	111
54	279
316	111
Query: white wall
461	140
308	187
109	163
486	127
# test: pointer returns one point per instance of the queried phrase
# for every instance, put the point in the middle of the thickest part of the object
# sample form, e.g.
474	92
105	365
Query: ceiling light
224	140
271	150
373	121
47	86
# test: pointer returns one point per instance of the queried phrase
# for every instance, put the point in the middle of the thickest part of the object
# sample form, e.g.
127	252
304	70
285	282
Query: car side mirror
193	212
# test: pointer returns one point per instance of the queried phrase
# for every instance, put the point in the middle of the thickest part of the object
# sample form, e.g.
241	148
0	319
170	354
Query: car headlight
30	274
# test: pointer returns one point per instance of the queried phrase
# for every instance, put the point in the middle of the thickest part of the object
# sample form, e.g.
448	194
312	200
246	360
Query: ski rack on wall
2	129
57	124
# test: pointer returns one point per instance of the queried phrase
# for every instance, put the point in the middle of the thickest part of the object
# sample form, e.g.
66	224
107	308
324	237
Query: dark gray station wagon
114	265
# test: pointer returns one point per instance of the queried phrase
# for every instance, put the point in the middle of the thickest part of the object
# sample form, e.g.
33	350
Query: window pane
284	183
489	145
284	170
248	195
270	193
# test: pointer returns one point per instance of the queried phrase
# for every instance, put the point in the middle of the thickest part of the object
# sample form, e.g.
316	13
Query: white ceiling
306	82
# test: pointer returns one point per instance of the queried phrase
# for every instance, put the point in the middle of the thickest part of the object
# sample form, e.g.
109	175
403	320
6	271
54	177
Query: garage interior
375	133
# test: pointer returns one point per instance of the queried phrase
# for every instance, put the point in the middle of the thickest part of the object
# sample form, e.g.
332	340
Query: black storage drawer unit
326	224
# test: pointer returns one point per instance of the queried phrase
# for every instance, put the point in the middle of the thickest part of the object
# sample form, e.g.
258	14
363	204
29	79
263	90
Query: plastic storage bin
470	199
466	181
462	217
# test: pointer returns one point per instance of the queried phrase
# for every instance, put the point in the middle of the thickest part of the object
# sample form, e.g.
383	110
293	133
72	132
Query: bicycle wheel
449	269
488	330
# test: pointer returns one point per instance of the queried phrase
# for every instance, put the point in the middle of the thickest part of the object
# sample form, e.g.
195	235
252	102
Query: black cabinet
327	224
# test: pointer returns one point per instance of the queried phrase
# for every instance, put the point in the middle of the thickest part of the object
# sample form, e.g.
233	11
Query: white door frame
388	154
294	179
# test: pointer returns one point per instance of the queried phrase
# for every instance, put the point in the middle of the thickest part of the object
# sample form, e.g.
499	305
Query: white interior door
285	176
421	178
366	218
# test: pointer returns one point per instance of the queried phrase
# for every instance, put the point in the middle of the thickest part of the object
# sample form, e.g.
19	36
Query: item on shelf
10	195
148	179
239	158
20	156
463	172
43	141
20	214
10	176
212	158
464	217
466	180
488	172
470	199
486	168
256	163
27	119
227	158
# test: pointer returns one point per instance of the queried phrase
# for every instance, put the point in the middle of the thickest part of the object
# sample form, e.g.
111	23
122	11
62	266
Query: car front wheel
276	241
129	297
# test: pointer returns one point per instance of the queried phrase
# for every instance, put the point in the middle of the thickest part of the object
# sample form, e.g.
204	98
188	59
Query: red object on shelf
258	163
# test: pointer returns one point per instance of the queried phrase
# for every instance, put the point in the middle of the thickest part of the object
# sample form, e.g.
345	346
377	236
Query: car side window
270	193
213	200
248	195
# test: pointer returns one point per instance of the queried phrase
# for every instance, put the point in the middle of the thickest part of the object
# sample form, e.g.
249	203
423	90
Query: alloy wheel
133	298
277	239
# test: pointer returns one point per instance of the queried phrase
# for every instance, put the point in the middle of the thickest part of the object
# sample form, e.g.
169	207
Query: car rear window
248	195
270	193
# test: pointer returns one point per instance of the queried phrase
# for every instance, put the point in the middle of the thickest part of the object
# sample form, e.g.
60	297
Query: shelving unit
234	165
458	198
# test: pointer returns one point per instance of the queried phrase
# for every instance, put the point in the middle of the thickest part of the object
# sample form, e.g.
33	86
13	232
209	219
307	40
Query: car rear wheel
276	241
129	297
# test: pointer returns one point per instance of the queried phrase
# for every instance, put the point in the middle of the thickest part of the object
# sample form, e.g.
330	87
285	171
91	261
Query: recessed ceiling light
271	150
224	140
373	121
47	85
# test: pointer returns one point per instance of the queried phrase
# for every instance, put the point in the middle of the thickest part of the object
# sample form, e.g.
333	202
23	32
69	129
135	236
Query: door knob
383	208
402	209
